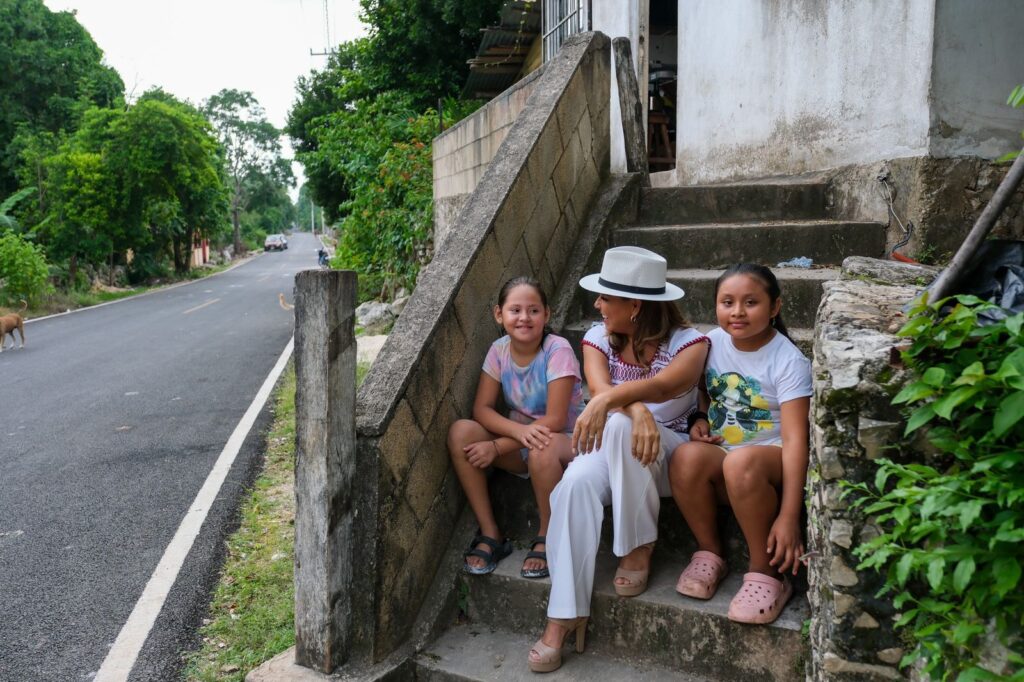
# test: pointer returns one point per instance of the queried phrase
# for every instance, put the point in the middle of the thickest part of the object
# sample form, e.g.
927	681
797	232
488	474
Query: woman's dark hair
524	280
767	278
655	321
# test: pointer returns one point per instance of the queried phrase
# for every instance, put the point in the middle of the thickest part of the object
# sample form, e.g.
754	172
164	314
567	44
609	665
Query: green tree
416	48
252	146
50	71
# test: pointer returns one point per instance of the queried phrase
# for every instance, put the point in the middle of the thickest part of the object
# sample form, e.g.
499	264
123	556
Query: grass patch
252	614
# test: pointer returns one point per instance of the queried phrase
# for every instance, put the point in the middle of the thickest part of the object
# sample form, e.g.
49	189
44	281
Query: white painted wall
977	63
783	86
617	18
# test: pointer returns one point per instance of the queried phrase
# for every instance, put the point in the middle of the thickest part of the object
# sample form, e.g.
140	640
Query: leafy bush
382	149
23	269
953	529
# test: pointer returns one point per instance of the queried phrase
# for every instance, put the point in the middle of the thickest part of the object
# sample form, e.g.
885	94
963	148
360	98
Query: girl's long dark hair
655	321
524	280
767	278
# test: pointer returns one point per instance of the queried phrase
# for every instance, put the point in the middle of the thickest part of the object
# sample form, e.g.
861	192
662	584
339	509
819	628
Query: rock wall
856	372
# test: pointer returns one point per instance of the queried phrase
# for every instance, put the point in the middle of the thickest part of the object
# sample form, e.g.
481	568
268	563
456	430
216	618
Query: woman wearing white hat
642	366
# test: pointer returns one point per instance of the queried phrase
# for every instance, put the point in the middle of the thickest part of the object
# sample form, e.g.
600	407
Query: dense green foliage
383	148
22	269
417	48
50	72
106	185
952	543
362	128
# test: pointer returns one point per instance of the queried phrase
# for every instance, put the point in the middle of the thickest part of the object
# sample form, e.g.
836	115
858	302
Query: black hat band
630	289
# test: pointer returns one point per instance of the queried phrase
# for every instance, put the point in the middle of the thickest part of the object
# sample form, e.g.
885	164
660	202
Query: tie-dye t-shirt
526	388
747	389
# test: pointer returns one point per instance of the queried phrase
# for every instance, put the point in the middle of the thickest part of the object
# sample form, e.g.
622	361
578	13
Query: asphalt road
110	421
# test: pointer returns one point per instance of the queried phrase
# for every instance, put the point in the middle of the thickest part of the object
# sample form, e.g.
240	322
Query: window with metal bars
561	19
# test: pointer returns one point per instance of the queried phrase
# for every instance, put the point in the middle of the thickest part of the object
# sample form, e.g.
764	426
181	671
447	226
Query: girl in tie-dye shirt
537	375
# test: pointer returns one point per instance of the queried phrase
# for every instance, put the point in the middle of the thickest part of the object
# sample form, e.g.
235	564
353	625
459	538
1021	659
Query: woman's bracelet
497	453
692	419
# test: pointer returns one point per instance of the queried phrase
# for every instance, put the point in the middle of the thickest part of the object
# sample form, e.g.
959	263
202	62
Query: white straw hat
632	272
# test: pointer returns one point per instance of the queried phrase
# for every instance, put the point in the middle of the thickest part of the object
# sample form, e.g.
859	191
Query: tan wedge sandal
636	581
549	658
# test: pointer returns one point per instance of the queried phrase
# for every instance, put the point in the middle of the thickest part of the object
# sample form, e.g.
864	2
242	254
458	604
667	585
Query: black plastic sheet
997	276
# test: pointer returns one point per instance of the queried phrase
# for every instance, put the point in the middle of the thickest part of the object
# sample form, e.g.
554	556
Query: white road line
200	306
120	660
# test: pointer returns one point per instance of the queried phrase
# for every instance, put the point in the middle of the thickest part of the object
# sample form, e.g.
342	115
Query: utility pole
327	34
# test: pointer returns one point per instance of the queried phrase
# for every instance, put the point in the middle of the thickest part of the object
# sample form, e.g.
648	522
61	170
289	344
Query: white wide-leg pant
610	475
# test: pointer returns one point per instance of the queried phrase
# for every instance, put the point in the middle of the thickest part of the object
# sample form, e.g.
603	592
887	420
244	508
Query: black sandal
499	550
536	572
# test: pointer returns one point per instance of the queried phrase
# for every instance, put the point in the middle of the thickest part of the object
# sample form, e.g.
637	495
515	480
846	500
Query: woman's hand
701	432
785	544
646	441
589	429
482	453
534	436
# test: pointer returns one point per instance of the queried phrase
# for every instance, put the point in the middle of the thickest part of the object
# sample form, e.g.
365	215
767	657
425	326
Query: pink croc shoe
702	575
760	600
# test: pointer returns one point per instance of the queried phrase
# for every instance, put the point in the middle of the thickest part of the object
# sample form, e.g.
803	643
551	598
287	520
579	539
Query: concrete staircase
661	635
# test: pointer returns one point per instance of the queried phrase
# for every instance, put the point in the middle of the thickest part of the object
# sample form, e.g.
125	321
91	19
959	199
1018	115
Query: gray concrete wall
784	87
522	219
975	66
461	153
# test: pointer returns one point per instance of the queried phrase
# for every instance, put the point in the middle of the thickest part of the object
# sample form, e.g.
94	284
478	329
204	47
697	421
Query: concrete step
658	628
826	242
765	200
801	293
479	652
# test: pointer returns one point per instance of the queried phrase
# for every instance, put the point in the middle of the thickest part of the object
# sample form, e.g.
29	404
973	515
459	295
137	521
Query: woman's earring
773	321
633	319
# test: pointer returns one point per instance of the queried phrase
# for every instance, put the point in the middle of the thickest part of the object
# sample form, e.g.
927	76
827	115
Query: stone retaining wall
856	373
523	217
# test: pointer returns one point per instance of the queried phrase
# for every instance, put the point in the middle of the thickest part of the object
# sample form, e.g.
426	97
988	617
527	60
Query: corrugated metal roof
503	49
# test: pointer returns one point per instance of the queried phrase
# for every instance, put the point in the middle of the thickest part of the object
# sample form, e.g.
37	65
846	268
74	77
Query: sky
195	48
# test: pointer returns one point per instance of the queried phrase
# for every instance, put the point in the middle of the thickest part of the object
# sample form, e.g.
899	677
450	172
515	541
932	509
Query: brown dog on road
8	323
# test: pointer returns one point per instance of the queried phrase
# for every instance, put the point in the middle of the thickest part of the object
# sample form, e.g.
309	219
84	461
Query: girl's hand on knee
586	435
535	436
701	432
482	453
646	439
785	545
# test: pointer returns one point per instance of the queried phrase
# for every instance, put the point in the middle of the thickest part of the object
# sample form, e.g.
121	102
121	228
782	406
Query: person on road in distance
642	366
539	377
749	450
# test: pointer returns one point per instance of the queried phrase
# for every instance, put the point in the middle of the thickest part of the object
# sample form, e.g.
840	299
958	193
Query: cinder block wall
461	153
852	424
523	217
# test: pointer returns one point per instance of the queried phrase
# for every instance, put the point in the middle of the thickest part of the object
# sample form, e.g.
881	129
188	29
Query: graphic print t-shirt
673	412
747	389
526	388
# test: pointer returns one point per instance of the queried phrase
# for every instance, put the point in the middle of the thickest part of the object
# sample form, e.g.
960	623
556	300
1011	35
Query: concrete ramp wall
522	218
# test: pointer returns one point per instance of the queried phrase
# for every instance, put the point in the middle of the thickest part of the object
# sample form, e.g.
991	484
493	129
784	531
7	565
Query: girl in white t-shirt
750	448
